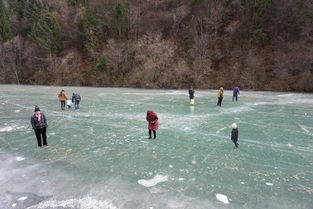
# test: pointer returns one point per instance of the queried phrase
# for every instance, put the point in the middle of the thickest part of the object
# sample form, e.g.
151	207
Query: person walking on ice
39	124
153	124
62	98
220	96
236	92
235	134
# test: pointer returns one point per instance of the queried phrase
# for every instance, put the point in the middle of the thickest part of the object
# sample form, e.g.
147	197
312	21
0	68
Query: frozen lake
100	156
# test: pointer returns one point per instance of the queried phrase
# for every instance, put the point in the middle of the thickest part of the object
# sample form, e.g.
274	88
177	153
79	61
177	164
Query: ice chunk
13	205
269	184
152	182
19	158
22	198
222	198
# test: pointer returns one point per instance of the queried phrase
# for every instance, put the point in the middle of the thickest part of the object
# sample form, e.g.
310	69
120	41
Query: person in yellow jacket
62	98
220	96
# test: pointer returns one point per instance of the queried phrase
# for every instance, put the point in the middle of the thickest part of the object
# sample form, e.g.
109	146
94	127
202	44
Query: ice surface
97	154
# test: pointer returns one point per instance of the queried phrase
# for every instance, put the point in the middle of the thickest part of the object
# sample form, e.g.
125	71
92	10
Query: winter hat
234	125
37	108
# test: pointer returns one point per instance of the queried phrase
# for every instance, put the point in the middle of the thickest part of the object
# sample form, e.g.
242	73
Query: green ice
98	156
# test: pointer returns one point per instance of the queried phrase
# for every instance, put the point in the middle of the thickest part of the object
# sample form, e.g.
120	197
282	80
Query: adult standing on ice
191	95
235	134
220	96
62	98
152	119
236	92
76	100
39	124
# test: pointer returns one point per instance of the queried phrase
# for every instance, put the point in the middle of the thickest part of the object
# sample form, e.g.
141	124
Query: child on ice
235	134
69	103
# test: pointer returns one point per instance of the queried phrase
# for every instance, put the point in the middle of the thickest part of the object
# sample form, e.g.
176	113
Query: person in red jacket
152	119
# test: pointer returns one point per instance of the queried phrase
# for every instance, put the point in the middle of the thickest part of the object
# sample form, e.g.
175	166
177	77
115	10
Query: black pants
77	104
219	102
154	134
41	134
235	97
236	143
62	105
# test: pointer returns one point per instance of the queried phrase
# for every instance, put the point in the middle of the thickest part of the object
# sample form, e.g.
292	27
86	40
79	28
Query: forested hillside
256	44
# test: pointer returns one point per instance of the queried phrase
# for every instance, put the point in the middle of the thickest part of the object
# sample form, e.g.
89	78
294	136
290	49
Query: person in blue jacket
76	100
39	124
236	92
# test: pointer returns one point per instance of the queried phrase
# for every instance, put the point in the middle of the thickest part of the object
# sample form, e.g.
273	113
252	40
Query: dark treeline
254	44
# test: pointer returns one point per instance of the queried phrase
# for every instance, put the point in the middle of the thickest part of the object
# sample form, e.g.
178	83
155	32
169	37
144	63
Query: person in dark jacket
76	100
236	92
39	124
235	134
191	95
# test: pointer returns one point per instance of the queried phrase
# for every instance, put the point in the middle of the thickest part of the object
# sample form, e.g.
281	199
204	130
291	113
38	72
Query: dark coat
234	134
191	94
38	124
76	97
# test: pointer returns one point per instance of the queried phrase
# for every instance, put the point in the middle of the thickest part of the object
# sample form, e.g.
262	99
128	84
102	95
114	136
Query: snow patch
269	184
84	203
154	181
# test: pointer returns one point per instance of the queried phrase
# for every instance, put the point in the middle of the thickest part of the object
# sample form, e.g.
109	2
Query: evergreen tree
5	29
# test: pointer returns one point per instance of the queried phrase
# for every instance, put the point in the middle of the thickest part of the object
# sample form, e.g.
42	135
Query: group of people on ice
64	100
39	121
220	93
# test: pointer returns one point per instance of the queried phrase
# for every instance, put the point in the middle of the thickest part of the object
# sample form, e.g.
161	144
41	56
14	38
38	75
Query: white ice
223	198
269	184
22	198
19	158
84	203
154	181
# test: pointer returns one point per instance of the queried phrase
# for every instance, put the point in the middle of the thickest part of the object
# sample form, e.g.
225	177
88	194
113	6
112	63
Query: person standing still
220	96
153	124
191	95
62	98
76	100
236	92
39	124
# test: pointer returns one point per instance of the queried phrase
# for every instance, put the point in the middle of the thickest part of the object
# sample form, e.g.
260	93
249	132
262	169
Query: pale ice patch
7	129
22	198
83	203
269	184
223	198
154	181
19	158
13	205
171	166
17	111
